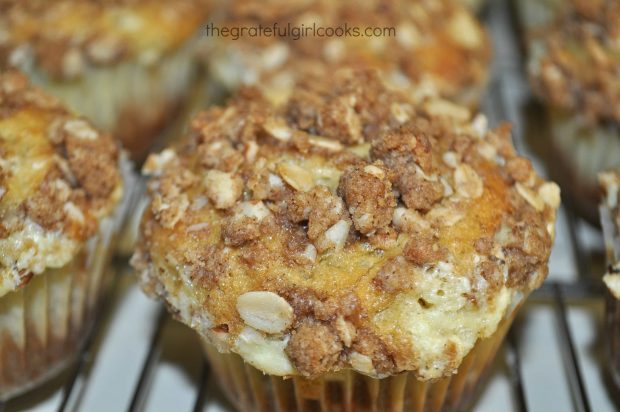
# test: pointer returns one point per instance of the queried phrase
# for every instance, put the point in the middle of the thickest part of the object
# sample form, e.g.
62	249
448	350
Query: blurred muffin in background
574	66
60	186
436	46
125	64
610	220
371	248
474	5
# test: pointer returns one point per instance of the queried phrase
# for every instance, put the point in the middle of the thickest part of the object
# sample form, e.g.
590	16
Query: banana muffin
60	182
610	220
369	249
125	64
574	60
437	46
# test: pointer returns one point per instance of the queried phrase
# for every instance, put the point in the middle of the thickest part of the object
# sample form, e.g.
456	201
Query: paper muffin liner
248	389
44	324
582	151
611	331
612	335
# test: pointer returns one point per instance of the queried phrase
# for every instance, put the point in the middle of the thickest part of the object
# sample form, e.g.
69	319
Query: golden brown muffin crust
64	37
341	228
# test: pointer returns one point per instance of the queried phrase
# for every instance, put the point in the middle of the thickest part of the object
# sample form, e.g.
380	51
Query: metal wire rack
137	358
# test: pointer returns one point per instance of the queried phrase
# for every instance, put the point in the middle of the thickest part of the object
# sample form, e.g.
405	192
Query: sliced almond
223	189
265	311
401	112
338	233
324	143
375	171
264	352
467	182
550	194
310	253
155	163
464	30
254	209
296	176
278	129
80	129
408	35
362	363
530	196
444	108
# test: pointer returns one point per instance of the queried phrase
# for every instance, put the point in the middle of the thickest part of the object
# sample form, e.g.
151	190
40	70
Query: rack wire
558	293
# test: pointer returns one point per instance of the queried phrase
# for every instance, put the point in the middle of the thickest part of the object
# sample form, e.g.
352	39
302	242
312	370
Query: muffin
474	5
610	220
349	249
574	60
60	182
127	65
435	45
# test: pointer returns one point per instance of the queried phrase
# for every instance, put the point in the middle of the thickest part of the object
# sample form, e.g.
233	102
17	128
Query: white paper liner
43	325
248	389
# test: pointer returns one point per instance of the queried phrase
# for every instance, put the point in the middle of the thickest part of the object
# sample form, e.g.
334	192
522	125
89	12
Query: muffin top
347	228
575	60
435	44
58	178
64	37
610	219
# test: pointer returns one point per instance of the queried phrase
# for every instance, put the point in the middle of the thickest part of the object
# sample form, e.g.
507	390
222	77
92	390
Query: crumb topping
575	60
58	177
421	221
437	45
65	37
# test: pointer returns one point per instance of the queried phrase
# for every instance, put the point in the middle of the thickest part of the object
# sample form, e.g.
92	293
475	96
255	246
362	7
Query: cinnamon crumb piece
395	276
368	195
265	185
422	249
245	224
170	202
93	162
367	343
519	168
314	348
46	205
320	207
341	305
340	121
402	147
492	273
401	151
418	193
208	266
384	238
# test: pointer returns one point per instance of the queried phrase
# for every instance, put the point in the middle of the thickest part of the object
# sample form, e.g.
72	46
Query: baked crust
65	37
59	177
575	61
438	45
350	227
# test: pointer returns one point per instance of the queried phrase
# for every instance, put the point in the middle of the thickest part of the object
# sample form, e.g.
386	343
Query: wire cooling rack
138	359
